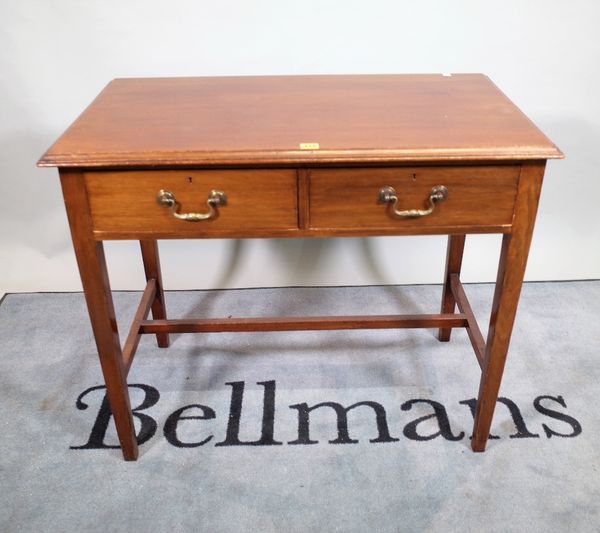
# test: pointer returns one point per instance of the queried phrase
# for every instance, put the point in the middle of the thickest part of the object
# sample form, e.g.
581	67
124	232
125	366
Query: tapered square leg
511	270
94	277
456	246
152	269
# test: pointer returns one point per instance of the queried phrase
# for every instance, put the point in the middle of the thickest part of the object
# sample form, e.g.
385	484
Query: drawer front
256	200
479	198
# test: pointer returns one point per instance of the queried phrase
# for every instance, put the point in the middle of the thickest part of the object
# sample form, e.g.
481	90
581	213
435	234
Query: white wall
56	56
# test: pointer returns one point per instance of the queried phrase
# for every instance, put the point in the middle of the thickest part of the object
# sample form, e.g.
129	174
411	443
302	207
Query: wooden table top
278	120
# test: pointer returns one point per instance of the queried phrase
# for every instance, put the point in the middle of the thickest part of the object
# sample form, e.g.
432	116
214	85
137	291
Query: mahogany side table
300	156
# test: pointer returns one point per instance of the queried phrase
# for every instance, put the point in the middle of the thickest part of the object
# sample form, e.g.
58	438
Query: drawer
479	198
125	203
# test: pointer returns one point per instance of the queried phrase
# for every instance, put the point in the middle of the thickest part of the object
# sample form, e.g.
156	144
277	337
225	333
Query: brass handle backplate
167	199
388	195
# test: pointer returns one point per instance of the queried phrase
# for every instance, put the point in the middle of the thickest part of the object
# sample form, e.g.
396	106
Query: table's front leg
94	277
513	259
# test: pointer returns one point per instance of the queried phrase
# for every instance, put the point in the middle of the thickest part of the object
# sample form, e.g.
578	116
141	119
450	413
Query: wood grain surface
511	269
348	198
454	257
256	199
264	120
94	278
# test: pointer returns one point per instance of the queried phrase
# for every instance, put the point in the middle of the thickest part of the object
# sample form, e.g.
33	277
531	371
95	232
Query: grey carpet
542	478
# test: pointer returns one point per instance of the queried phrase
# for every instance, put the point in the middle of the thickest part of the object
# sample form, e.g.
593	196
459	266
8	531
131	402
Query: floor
346	431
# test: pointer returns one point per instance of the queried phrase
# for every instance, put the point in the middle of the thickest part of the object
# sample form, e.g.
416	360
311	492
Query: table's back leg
456	246
94	277
513	259
152	269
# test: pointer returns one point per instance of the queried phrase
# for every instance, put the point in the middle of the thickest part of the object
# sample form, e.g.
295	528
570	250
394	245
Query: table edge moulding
300	156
